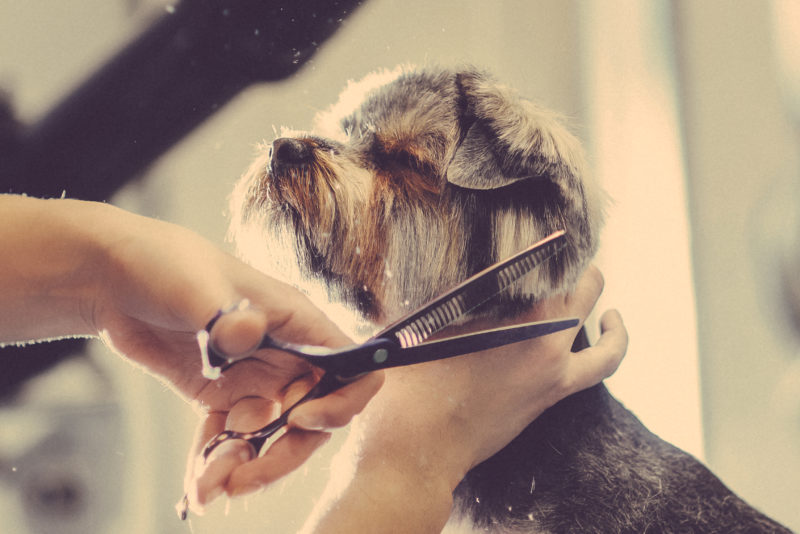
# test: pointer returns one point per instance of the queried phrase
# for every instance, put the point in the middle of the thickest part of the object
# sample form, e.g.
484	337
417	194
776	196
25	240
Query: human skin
145	287
432	422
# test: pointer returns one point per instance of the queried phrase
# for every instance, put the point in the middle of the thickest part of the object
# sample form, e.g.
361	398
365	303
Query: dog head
414	180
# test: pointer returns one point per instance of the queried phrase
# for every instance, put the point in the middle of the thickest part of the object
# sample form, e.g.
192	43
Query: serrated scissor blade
418	326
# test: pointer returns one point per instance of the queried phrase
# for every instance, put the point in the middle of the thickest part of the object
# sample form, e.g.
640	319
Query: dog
418	178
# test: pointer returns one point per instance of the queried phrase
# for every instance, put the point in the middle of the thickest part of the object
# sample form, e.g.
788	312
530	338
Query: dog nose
288	151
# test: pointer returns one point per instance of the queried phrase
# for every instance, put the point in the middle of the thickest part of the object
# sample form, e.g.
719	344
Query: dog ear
475	165
508	139
504	139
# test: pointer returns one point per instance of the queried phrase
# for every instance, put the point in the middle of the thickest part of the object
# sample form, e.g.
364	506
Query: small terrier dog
416	179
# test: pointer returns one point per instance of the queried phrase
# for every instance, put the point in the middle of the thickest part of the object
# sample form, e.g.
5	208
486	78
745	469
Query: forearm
395	473
47	275
380	499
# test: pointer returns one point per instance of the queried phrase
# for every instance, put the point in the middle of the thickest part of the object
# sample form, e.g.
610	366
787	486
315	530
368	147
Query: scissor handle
328	383
255	439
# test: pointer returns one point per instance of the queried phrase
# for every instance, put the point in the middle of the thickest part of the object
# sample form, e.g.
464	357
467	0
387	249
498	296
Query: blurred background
689	111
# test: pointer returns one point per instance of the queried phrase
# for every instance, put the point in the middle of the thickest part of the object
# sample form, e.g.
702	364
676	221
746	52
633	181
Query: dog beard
414	180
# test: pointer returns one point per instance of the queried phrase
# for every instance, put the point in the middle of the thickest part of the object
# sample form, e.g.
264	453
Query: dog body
417	179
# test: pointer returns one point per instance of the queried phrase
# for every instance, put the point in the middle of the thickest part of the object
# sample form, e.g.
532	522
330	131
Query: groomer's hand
432	422
146	287
167	284
478	403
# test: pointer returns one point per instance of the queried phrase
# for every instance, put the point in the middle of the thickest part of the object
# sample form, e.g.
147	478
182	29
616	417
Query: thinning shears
403	342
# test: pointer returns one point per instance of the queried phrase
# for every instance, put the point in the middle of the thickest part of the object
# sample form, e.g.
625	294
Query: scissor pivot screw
380	355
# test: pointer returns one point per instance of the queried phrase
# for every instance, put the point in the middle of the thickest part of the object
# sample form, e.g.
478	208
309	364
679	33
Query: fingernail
213	494
182	508
307	422
244	490
240	332
192	500
245	455
240	305
240	448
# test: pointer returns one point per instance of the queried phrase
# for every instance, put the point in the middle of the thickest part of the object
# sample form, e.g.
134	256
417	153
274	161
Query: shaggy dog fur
413	181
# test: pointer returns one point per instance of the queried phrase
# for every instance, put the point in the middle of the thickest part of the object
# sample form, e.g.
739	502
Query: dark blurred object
178	73
63	461
787	48
790	278
10	141
22	363
185	67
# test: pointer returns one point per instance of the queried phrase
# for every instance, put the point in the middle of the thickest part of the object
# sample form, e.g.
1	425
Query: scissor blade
465	297
476	341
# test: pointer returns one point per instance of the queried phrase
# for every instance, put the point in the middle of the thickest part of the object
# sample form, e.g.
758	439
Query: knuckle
596	277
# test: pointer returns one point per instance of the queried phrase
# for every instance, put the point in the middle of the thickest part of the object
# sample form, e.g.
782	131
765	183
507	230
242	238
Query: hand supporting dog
433	422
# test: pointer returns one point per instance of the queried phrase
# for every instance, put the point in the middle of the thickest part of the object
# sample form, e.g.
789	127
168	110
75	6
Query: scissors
401	343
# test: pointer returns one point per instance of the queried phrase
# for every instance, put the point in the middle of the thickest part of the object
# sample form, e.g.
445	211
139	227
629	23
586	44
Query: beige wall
742	177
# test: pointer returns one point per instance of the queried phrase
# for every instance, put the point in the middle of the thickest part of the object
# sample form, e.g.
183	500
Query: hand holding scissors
402	343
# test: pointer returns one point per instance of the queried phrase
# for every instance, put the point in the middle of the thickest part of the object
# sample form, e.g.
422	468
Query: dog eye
326	144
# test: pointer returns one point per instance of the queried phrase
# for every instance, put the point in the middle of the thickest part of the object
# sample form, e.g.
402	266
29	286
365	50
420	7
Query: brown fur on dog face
415	183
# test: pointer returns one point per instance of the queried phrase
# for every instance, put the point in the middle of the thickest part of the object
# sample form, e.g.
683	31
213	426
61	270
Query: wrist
51	277
418	500
89	227
413	440
381	493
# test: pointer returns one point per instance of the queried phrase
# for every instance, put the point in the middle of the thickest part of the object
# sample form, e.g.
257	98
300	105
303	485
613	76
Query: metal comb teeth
526	264
430	323
477	290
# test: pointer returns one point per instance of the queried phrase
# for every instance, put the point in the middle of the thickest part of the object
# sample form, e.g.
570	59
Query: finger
238	332
579	303
251	413
613	339
291	316
591	365
587	291
247	415
212	424
288	453
265	375
280	309
299	387
211	480
337	408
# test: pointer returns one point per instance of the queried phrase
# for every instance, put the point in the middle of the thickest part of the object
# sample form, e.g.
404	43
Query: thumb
595	363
